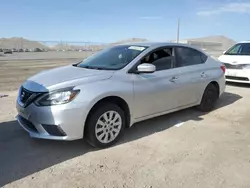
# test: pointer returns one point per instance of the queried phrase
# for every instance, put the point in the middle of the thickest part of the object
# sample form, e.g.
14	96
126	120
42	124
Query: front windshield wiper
90	67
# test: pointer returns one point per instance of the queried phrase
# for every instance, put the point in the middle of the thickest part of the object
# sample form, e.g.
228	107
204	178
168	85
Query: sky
113	20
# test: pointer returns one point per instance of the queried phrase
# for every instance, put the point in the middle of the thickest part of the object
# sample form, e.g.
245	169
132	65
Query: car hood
62	77
235	59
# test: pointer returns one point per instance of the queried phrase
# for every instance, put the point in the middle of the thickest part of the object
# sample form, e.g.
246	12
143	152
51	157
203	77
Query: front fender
92	93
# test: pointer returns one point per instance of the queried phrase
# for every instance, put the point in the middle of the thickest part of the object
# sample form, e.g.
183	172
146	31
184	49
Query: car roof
156	44
162	44
247	41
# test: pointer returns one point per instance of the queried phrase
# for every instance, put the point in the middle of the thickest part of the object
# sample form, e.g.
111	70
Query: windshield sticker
139	48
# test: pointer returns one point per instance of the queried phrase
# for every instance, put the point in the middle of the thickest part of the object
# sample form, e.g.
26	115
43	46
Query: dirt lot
15	71
44	55
183	149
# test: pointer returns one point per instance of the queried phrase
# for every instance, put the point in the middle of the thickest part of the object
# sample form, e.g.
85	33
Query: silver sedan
100	96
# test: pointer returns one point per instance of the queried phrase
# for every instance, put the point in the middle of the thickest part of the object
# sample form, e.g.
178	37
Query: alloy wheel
108	127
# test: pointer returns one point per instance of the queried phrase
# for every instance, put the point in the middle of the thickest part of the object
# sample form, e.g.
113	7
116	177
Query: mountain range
15	42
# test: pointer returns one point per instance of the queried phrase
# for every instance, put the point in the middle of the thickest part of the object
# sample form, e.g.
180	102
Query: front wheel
105	125
210	96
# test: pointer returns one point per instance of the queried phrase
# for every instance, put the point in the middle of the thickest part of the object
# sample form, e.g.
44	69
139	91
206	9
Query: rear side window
187	56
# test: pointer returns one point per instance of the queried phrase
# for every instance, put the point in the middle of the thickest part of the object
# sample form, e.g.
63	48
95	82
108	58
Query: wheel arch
215	83
115	100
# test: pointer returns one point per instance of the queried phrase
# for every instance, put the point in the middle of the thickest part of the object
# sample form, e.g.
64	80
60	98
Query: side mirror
146	68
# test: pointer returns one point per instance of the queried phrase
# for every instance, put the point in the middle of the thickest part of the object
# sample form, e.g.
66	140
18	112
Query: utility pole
178	31
21	43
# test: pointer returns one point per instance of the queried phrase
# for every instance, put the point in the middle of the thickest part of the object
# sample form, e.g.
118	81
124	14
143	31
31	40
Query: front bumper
61	122
238	75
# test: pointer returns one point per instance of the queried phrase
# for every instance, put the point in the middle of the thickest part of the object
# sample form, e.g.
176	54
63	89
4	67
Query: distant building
203	44
214	45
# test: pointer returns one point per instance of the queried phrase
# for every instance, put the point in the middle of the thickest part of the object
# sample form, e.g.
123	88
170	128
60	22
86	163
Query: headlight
58	97
246	66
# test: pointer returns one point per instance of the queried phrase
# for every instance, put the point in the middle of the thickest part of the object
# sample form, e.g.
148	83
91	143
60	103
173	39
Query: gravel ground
183	149
13	73
44	55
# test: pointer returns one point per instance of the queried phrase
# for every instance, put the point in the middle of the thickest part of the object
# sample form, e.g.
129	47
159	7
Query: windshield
239	49
112	58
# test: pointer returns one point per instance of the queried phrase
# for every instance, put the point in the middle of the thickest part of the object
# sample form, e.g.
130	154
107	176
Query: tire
98	122
209	98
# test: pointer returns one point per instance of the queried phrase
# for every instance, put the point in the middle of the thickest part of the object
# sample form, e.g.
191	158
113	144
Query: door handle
173	79
203	75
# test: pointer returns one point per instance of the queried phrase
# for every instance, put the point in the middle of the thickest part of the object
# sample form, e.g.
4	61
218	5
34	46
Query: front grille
230	66
237	78
27	97
28	124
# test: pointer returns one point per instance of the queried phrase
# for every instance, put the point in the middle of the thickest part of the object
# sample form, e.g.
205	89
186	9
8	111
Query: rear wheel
209	98
105	125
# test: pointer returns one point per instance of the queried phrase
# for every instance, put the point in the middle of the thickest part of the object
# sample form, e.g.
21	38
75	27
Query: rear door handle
203	75
173	79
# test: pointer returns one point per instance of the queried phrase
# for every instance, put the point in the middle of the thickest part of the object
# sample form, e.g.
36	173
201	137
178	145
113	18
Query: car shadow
21	155
158	124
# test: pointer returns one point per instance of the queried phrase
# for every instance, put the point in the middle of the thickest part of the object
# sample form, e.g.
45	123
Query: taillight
223	68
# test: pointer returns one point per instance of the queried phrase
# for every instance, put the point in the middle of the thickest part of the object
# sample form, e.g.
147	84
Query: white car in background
237	62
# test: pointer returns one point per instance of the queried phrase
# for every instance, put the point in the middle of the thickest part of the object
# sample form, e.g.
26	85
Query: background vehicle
237	62
7	51
38	50
115	88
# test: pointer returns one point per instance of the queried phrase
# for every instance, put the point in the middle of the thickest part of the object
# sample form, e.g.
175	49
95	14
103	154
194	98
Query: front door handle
173	79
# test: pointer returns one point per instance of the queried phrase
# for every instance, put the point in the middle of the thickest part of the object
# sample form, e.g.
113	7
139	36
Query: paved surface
183	149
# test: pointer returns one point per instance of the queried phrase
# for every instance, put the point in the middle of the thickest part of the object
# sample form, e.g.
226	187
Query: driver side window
162	59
